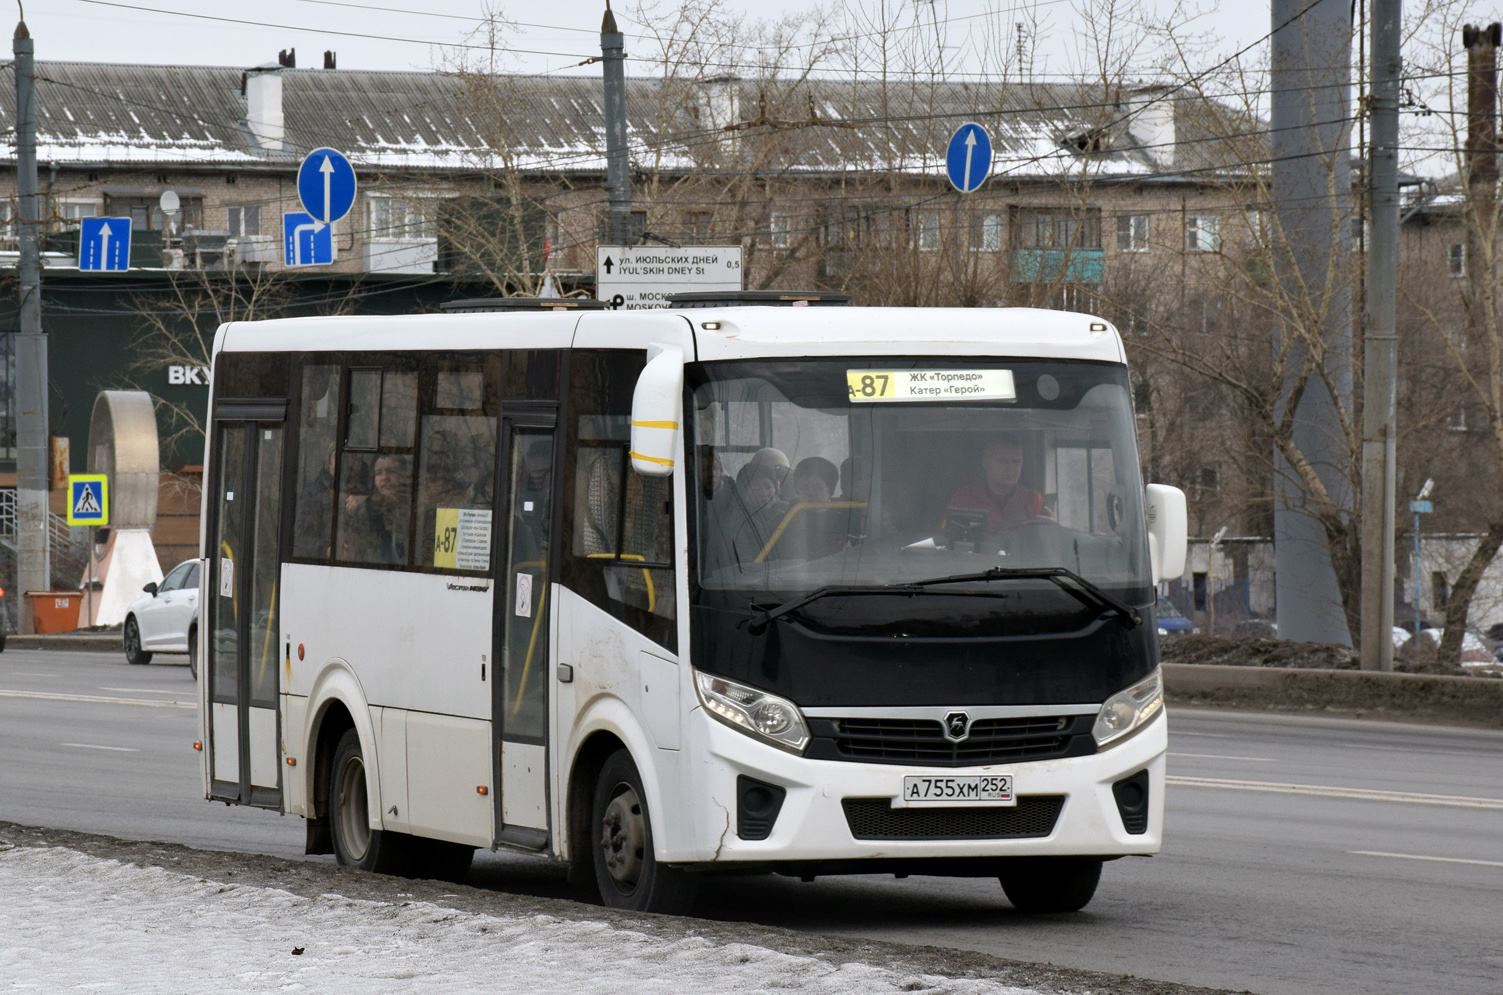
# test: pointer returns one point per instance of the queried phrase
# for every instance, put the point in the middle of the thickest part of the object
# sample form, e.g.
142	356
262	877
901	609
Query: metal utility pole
1311	183
1380	344
617	179
33	571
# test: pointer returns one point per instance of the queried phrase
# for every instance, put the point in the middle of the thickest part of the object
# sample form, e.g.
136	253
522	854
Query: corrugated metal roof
182	116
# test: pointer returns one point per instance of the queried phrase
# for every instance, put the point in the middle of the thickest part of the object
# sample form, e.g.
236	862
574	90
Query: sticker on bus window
462	539
930	385
226	578
524	595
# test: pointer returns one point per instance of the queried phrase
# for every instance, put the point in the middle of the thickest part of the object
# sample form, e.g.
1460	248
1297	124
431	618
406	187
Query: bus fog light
1129	710
753	711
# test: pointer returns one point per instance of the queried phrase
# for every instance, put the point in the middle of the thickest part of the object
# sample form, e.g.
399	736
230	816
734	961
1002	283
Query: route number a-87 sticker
866	386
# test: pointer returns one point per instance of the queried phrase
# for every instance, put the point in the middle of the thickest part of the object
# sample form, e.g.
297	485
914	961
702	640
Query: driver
998	490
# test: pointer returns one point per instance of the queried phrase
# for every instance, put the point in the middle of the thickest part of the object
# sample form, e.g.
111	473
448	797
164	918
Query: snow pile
73	921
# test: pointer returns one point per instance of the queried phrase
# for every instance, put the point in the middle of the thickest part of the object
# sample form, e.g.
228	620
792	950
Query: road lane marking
1418	856
95	746
1218	756
1480	754
1328	791
1207	735
143	690
96	699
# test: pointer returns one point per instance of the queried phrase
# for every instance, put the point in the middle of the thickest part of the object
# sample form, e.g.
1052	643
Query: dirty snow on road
70	921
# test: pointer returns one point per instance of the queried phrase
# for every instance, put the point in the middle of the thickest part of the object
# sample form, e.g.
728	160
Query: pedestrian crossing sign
88	499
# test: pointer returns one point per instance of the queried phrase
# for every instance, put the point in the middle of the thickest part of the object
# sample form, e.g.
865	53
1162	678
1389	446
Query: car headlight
1127	711
753	711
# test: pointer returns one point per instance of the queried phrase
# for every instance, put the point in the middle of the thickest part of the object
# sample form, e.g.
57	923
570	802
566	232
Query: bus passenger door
525	503
240	610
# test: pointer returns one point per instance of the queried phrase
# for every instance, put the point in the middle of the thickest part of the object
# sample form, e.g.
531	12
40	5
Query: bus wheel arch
331	724
588	762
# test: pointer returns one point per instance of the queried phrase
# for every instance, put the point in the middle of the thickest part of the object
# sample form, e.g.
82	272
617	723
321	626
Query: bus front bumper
813	823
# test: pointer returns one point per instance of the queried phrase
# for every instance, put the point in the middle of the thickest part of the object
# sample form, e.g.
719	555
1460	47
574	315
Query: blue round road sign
968	160
326	185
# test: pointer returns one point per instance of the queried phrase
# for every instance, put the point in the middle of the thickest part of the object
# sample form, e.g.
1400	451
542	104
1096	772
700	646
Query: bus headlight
753	711
1127	711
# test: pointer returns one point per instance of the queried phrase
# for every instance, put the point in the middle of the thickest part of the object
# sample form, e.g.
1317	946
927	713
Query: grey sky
93	32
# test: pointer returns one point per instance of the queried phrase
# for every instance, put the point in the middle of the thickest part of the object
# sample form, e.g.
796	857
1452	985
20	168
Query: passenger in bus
375	528
315	510
998	491
813	529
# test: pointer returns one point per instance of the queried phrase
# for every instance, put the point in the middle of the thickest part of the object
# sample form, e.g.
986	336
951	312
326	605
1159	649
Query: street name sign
326	185
104	244
637	277
88	499
968	159
306	241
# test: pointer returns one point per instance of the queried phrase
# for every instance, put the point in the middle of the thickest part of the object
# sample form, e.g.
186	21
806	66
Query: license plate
966	789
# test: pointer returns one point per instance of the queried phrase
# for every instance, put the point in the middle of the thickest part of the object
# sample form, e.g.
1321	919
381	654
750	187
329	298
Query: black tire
2	637
131	639
626	872
355	843
1051	884
193	652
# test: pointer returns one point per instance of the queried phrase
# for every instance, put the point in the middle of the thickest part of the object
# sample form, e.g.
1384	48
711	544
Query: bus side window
619	550
318	423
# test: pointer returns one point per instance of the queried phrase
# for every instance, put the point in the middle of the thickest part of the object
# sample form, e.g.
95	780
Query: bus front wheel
356	844
1051	884
626	872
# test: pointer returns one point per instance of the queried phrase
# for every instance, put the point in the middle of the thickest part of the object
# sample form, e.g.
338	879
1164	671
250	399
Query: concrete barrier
1471	701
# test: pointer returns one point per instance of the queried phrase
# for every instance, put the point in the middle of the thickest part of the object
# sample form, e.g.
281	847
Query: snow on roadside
72	921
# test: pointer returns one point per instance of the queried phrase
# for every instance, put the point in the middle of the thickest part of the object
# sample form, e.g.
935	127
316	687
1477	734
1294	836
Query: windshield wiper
1058	575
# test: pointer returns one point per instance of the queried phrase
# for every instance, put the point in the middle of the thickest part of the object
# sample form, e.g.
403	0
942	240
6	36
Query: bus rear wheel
626	871
356	844
1051	884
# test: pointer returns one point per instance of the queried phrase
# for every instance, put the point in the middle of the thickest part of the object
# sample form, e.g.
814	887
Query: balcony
1058	265
400	255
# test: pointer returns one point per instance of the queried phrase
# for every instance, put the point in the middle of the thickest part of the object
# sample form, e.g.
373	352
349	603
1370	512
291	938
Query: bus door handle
565	674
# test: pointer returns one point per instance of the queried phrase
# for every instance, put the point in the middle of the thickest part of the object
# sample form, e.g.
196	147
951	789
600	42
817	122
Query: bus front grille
990	741
876	819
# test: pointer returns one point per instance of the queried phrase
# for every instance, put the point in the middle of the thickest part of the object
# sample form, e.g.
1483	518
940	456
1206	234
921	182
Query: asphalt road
1304	855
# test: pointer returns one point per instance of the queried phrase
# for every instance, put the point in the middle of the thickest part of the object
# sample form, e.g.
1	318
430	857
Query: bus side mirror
1168	531
655	411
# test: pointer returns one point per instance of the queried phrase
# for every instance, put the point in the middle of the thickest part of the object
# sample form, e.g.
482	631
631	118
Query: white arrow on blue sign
326	185
968	160
104	244
306	241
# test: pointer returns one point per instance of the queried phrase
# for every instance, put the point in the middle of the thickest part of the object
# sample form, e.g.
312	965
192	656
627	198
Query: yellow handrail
652	598
777	533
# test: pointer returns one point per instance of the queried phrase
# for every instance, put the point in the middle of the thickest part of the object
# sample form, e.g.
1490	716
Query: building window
1456	258
72	212
638	226
697	224
1201	585
1207	483
1440	590
926	231
393	217
1257	226
1203	233
1132	232
244	220
1457	421
1056	229
782	231
986	232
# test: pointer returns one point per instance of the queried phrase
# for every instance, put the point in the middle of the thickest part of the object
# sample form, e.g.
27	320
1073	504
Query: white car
165	619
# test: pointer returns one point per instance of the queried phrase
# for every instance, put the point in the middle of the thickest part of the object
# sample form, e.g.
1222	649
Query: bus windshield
870	473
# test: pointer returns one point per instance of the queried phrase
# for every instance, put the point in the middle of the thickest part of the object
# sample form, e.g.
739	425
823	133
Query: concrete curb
1472	701
102	642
